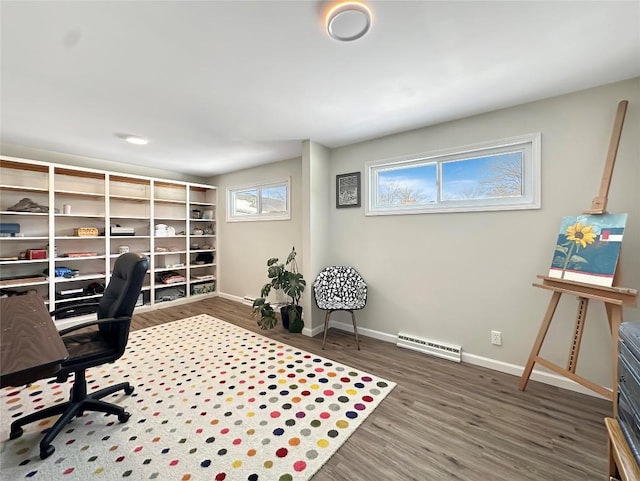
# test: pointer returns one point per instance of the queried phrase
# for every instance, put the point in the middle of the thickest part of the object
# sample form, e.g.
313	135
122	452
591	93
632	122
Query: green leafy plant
282	276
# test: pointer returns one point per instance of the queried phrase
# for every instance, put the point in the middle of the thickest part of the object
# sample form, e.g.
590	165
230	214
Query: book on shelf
206	277
68	292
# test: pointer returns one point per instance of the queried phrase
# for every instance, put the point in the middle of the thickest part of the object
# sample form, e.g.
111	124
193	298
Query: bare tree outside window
397	193
505	176
486	177
409	186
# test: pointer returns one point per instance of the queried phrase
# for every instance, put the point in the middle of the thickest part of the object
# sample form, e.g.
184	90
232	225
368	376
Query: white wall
244	247
455	277
317	229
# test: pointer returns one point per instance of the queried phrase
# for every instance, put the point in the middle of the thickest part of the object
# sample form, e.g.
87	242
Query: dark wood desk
30	346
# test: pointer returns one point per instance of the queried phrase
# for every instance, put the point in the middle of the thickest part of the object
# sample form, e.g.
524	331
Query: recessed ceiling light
134	139
348	20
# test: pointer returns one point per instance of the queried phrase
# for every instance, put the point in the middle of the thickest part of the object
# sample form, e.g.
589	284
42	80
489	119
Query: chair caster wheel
124	417
16	433
128	390
46	451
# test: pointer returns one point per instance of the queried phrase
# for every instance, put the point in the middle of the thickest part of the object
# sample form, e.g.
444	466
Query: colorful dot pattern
212	401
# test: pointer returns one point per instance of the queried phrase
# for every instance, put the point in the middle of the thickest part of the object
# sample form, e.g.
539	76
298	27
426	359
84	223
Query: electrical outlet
496	338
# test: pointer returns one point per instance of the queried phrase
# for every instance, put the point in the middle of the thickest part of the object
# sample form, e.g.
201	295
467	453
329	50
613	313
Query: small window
498	175
268	201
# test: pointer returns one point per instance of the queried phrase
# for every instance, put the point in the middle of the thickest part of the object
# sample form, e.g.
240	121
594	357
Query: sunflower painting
588	248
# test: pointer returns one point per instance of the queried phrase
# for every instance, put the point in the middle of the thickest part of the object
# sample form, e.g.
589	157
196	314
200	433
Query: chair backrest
122	292
340	287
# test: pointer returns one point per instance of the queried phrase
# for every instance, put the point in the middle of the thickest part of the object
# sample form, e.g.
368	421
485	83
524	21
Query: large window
267	201
497	175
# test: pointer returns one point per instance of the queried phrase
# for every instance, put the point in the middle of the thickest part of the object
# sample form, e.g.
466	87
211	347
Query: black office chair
104	344
340	288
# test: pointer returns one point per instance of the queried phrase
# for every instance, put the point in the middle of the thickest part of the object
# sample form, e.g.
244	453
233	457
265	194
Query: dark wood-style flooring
444	421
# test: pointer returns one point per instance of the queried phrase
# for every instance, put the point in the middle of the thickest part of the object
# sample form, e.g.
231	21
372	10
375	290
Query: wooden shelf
31	281
14	212
33	167
23	188
170	201
22	261
75	193
25	238
85	277
129	198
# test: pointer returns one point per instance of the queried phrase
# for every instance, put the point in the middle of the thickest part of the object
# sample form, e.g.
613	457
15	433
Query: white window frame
529	144
232	216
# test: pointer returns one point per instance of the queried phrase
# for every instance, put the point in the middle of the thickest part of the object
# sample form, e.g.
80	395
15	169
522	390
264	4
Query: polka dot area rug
212	401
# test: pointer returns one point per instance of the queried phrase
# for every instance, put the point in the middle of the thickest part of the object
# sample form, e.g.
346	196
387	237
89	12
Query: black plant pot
284	315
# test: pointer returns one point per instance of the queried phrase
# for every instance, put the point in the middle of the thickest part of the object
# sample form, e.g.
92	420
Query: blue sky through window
492	175
408	185
489	176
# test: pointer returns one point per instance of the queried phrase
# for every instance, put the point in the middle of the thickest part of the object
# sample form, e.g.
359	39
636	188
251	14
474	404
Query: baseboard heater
248	300
427	346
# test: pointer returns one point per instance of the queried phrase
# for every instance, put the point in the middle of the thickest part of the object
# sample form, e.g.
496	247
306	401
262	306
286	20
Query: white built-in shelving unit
174	224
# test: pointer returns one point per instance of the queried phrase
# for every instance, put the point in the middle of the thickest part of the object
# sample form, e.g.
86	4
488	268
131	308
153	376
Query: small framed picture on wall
348	190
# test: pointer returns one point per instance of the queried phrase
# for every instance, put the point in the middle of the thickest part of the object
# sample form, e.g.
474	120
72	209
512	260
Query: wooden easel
614	298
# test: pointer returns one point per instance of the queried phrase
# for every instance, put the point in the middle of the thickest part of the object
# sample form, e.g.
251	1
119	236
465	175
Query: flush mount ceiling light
348	20
134	139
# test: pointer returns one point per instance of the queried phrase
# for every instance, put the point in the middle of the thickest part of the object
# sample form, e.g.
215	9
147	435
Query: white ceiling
218	86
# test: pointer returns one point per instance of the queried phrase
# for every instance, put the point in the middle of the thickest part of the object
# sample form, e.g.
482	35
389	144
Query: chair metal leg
355	328
326	327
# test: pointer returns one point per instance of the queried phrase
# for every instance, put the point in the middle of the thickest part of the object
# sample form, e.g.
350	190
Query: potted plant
284	277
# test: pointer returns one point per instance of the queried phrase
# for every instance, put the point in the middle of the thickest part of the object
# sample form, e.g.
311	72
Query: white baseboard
343	326
231	297
500	366
508	368
536	375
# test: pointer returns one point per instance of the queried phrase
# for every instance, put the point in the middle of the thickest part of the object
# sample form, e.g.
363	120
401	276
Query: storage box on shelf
83	218
203	287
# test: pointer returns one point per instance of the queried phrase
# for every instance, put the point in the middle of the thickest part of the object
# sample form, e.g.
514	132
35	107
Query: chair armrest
95	322
85	305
